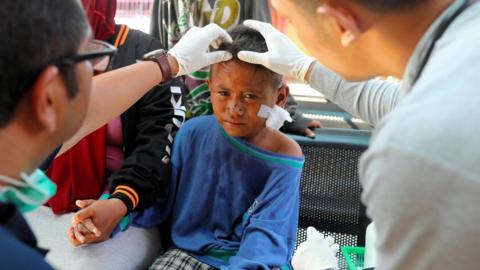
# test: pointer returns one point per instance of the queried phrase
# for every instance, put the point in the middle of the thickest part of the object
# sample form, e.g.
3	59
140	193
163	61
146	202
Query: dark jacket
148	126
18	246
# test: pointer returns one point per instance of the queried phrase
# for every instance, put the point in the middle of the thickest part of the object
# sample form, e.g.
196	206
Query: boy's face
237	92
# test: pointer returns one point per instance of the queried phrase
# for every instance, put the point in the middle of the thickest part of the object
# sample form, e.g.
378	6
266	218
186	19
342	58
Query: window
134	13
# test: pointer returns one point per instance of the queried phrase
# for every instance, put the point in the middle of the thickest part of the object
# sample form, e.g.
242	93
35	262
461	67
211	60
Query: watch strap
162	62
161	58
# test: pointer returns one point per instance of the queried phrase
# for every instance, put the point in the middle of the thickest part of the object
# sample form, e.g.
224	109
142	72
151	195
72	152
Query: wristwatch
160	57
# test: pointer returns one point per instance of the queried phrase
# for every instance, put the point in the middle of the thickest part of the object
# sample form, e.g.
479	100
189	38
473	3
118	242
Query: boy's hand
312	125
96	221
78	234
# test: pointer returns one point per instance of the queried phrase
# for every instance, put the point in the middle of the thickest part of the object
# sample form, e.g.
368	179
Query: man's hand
96	221
282	56
191	52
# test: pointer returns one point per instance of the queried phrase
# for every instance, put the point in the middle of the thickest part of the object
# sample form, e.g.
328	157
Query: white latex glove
283	56
316	253
191	51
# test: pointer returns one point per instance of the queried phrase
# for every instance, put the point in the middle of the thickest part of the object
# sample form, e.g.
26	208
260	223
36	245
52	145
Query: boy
233	198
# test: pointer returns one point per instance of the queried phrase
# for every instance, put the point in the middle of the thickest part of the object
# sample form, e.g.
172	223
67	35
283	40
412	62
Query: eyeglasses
99	54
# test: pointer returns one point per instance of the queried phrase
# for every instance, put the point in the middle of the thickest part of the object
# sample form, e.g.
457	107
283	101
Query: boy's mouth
233	123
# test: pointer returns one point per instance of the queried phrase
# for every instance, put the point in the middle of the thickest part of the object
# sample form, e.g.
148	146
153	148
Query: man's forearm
368	100
113	93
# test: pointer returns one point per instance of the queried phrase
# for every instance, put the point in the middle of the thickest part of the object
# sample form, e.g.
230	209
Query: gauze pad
275	116
264	111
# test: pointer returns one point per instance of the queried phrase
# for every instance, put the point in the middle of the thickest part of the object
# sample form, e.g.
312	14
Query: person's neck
261	139
400	34
19	152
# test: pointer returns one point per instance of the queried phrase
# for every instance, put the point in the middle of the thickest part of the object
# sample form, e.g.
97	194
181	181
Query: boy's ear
282	96
345	20
208	81
46	92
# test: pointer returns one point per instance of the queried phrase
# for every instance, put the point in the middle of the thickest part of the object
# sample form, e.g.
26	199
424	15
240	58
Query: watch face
154	54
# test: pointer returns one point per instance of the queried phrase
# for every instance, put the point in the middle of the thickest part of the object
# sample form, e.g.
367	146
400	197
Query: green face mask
27	195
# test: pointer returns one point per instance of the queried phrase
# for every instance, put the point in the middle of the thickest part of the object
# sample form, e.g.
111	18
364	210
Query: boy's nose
235	108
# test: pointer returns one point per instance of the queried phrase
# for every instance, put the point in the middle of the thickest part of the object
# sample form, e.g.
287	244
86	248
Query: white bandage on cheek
275	116
264	111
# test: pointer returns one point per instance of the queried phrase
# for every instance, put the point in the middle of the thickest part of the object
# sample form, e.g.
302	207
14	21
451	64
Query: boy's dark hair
248	39
35	34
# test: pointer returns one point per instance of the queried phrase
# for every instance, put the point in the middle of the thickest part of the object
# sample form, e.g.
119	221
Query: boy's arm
268	240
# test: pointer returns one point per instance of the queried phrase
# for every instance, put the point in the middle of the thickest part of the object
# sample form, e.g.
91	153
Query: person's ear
45	94
209	79
209	83
282	95
345	20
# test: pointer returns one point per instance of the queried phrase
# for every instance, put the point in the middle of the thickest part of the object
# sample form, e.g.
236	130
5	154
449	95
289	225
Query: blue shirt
234	205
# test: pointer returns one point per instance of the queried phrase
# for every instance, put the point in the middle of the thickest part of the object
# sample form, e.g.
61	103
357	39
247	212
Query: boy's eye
223	93
250	96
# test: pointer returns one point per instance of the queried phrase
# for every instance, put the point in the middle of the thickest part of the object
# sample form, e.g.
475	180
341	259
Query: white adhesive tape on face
277	117
285	115
264	111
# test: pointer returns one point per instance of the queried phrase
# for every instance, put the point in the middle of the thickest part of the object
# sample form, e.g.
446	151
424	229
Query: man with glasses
129	157
48	96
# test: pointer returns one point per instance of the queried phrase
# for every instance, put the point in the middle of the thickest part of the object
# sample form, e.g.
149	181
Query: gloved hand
316	253
282	57
191	52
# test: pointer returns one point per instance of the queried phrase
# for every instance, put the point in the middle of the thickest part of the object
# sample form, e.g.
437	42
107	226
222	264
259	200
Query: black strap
439	33
48	161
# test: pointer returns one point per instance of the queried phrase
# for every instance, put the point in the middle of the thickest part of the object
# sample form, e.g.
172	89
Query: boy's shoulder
281	144
198	125
200	122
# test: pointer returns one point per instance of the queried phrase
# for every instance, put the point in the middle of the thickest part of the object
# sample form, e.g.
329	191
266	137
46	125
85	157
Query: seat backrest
330	189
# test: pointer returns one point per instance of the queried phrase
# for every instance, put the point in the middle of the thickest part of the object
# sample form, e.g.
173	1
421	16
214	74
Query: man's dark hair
248	39
35	34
